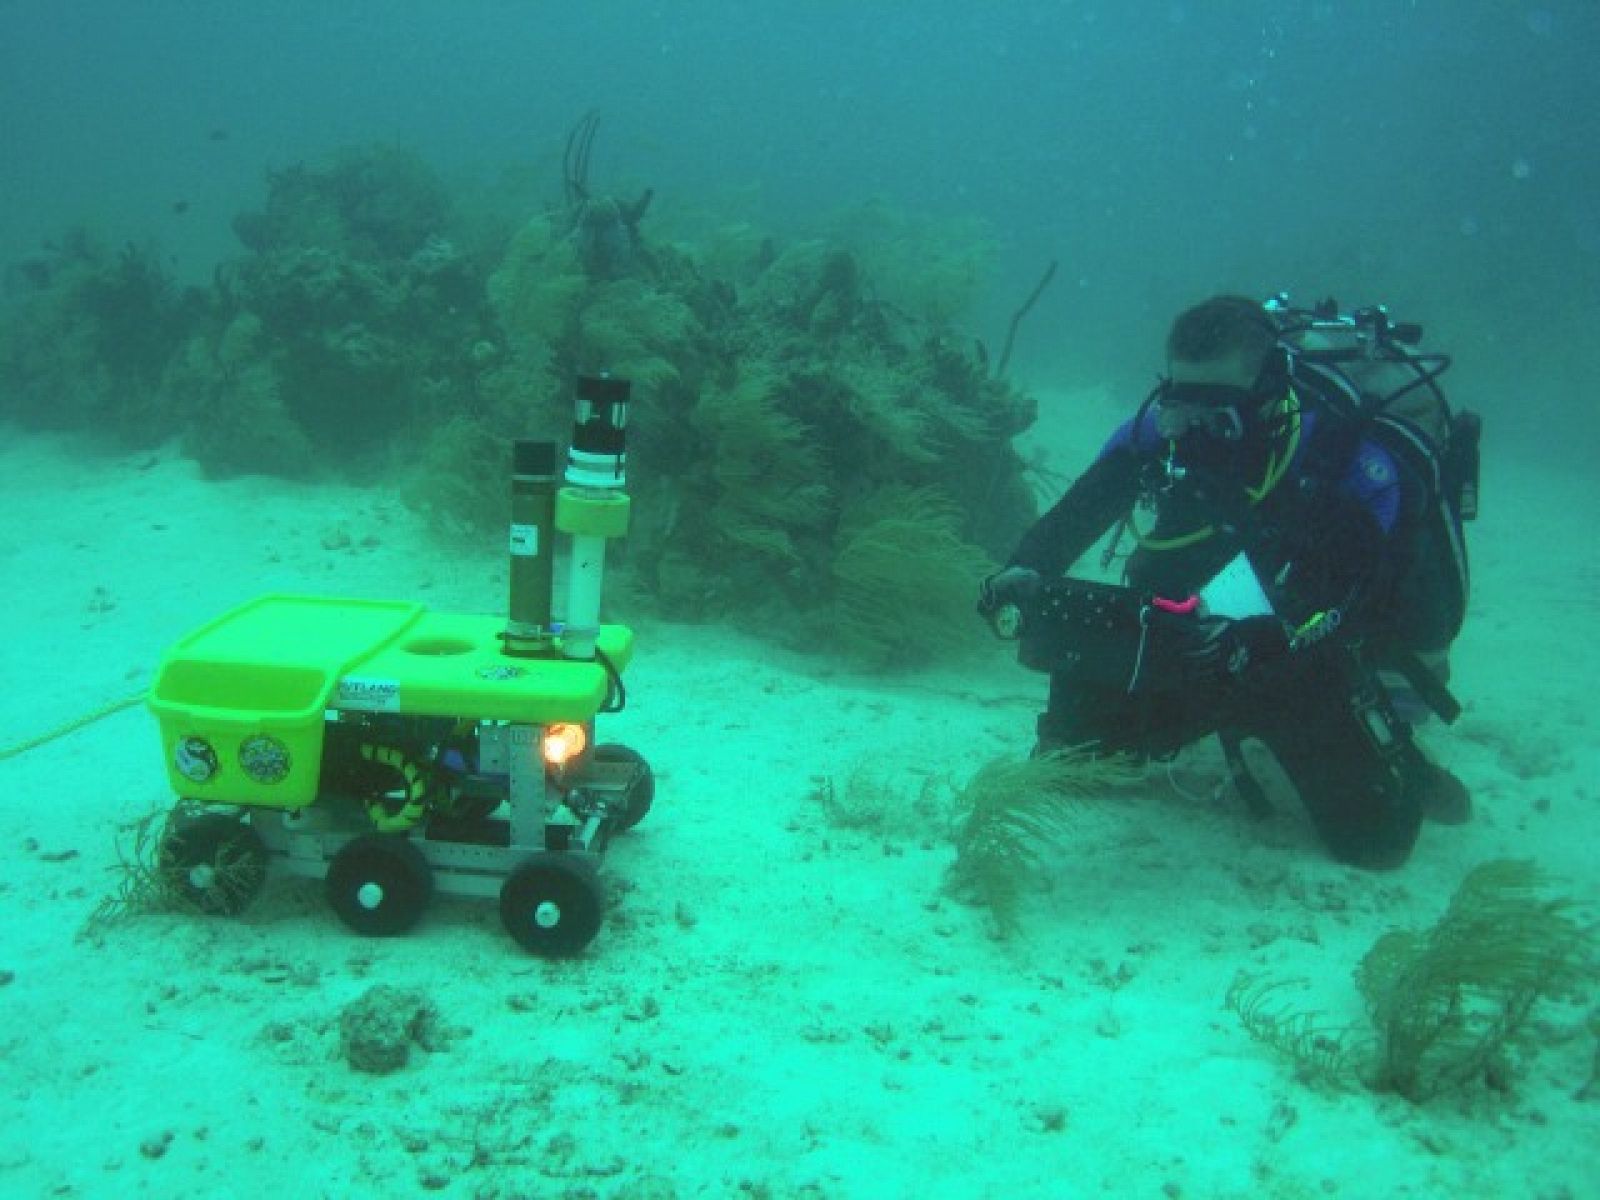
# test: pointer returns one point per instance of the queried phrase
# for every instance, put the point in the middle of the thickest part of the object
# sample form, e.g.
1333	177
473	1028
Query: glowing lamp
563	743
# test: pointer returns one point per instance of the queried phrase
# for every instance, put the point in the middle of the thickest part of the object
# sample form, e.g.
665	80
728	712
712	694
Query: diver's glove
1226	651
1013	585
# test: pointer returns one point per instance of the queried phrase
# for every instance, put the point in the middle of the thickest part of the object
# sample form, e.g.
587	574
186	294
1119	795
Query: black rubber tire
643	792
380	886
551	905
215	863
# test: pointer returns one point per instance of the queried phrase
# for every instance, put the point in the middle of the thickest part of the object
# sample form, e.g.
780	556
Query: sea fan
1446	1001
1014	813
1442	1004
903	576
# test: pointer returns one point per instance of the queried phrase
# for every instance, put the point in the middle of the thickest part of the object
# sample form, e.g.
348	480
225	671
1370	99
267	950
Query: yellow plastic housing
242	701
592	513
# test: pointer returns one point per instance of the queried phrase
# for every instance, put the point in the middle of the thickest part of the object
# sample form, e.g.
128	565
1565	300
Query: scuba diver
1297	573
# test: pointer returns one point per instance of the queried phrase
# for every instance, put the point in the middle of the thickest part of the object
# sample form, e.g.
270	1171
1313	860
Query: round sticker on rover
264	759
195	759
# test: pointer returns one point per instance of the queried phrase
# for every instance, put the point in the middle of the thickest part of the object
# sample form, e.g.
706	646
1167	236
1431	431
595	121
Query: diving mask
1218	410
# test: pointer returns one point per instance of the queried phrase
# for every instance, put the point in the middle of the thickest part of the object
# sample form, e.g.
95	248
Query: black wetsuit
1333	535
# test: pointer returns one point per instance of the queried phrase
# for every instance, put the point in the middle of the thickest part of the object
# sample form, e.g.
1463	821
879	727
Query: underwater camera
1108	635
393	751
1095	634
1088	631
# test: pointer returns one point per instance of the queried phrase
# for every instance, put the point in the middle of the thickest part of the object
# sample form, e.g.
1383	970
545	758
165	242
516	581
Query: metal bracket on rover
393	751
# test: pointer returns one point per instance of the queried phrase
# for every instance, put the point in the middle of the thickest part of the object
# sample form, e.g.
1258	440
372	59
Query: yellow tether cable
72	726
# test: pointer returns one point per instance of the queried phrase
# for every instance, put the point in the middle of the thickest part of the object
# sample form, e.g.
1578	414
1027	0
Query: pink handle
1182	607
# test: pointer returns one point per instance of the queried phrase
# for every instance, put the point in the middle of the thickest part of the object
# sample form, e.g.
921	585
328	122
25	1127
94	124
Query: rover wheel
216	863
551	905
642	792
379	885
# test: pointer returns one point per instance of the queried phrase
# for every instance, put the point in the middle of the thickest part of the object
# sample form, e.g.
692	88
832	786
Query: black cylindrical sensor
533	520
598	457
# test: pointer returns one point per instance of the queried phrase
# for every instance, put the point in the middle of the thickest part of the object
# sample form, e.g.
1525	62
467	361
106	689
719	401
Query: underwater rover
393	751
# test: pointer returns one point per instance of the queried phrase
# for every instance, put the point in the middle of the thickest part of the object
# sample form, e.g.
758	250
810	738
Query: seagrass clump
155	871
1443	1004
1014	815
140	884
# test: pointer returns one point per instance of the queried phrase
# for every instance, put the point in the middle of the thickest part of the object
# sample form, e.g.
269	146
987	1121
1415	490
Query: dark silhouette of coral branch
1016	317
575	159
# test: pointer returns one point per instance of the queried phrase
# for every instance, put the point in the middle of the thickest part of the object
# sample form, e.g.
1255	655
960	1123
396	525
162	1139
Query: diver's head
1226	373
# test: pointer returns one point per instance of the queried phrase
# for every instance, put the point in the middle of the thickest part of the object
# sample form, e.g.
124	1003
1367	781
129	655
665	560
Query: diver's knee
1371	824
1378	839
1386	854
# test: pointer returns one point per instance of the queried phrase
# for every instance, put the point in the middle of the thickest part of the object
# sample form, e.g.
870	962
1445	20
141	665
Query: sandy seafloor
777	1006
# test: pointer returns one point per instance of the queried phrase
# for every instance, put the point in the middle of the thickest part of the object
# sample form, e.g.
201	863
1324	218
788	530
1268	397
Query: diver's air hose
1277	467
